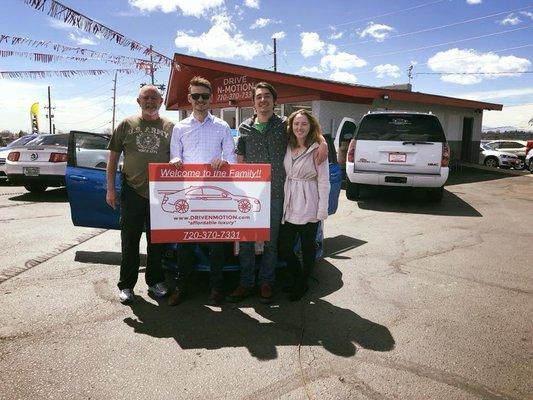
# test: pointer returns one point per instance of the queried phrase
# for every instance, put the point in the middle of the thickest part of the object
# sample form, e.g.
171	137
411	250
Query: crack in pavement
29	264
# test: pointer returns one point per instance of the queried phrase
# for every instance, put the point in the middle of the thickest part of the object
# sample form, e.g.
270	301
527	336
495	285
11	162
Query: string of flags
143	65
98	55
63	73
69	16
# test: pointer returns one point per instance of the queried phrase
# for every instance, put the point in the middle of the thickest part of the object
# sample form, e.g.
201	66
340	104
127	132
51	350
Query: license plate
397	157
31	171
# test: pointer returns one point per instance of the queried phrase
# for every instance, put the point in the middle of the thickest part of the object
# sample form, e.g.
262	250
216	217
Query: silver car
495	158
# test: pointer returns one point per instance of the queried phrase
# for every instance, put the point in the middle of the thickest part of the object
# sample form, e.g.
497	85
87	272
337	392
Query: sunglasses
204	96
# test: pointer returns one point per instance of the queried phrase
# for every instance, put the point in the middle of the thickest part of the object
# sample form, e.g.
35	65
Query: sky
472	49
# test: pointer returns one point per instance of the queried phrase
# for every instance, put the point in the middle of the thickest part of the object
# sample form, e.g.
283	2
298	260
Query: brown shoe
176	297
266	293
216	297
239	294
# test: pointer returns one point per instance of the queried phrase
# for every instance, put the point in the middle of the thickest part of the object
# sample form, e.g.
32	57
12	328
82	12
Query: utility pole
410	73
152	70
151	65
114	99
275	58
50	115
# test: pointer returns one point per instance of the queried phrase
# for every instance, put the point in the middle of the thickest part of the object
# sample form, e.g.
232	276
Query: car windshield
484	146
50	140
401	127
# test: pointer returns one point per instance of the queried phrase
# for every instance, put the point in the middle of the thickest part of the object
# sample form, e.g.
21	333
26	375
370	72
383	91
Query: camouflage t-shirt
142	142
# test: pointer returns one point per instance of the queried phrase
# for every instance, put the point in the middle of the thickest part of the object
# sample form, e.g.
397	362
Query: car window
195	192
347	131
21	141
212	192
512	145
50	140
90	150
400	127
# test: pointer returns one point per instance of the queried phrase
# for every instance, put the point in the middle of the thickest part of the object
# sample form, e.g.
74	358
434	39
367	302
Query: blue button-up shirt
195	142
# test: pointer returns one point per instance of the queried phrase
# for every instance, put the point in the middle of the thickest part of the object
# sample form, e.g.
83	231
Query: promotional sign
197	204
232	88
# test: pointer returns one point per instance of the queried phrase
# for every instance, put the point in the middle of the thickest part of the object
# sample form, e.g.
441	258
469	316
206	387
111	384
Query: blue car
86	187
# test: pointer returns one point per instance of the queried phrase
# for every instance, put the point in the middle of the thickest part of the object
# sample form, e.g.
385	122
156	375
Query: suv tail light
13	156
445	160
529	146
350	155
58	157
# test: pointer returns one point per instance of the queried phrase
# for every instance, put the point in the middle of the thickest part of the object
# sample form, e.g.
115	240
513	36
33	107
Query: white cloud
81	40
385	70
332	49
251	3
262	22
341	61
223	40
377	31
527	14
342	76
471	62
474	1
313	69
196	8
511	19
279	35
311	44
497	95
336	35
517	115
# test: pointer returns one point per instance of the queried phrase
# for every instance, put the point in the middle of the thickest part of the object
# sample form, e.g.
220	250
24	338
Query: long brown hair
314	129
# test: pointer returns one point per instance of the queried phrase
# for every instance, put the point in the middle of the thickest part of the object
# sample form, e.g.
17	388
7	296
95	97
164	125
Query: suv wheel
491	162
531	165
35	187
521	164
352	190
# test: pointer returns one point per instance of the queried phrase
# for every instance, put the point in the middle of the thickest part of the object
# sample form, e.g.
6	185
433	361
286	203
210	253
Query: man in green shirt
142	140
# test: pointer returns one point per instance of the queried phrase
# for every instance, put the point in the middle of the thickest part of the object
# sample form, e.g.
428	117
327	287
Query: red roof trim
323	85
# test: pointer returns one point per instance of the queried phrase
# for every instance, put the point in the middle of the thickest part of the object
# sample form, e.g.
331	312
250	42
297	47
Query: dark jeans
134	219
187	260
287	239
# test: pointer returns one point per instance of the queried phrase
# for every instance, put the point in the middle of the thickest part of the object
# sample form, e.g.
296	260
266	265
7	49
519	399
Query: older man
142	139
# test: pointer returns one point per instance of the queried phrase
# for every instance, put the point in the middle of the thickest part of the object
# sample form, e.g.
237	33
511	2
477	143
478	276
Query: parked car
39	164
495	158
517	147
87	190
396	148
529	160
4	152
206	198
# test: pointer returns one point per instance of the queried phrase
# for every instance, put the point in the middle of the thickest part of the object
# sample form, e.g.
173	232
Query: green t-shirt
261	126
142	142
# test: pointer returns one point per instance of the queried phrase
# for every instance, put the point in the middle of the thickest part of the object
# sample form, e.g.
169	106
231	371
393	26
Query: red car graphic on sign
206	199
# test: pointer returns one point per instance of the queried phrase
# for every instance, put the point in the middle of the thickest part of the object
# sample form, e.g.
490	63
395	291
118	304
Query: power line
384	15
434	28
473	73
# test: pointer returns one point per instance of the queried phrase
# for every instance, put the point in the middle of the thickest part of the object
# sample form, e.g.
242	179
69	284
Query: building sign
197	204
235	88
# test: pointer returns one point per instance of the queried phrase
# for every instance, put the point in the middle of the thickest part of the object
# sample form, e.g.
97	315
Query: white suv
397	148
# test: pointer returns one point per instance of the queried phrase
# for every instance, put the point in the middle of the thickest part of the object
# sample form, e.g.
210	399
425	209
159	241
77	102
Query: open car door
85	179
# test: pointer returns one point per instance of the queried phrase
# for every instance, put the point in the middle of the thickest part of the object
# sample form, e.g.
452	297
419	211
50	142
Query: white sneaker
126	296
159	289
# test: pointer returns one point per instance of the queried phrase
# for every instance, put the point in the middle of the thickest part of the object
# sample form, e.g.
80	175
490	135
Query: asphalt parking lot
412	300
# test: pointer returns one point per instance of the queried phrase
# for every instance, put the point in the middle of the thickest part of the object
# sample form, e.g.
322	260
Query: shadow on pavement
261	328
413	201
335	246
472	175
56	195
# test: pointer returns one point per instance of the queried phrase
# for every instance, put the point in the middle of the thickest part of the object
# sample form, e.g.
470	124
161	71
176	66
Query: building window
289	108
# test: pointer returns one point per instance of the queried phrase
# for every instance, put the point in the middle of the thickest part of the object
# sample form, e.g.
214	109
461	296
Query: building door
230	116
466	142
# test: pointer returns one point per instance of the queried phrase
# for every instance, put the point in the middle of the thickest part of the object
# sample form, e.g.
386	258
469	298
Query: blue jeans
267	270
